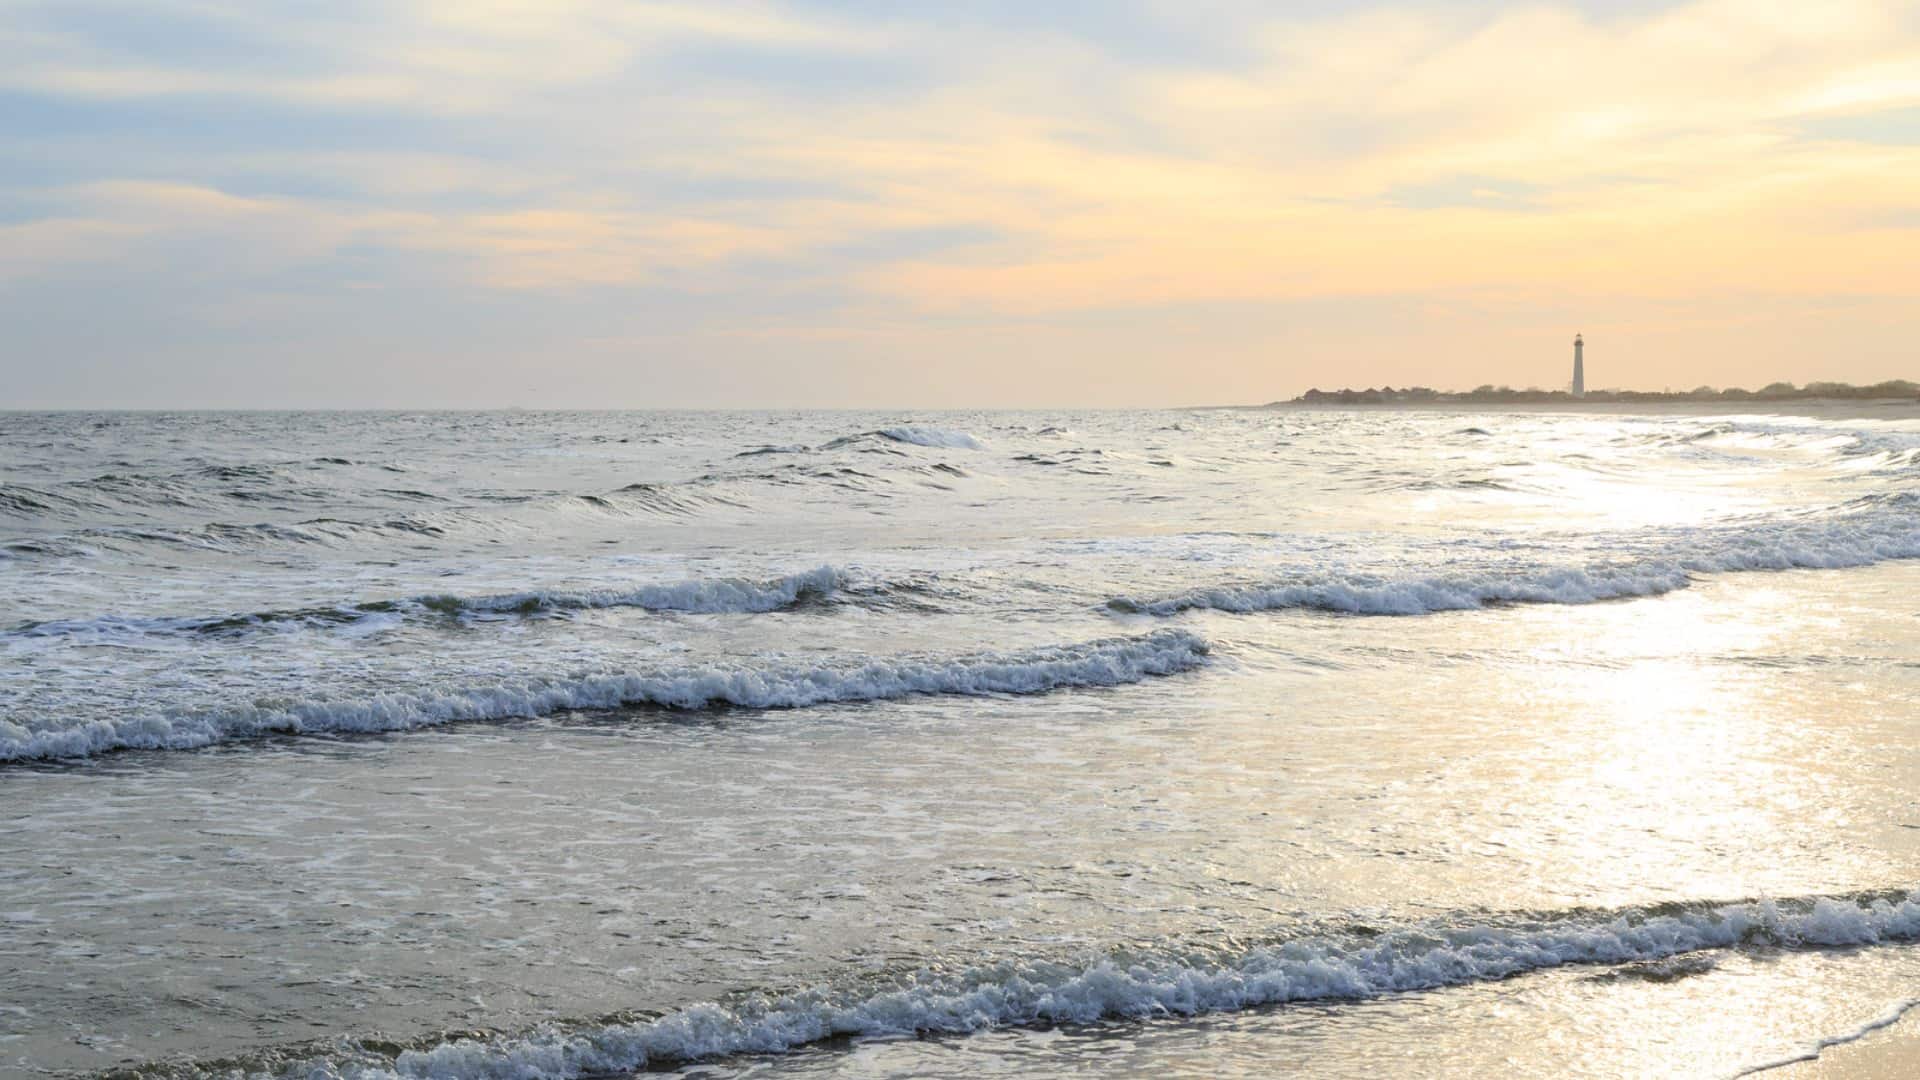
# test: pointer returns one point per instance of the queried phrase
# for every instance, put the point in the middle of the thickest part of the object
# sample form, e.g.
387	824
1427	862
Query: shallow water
1198	742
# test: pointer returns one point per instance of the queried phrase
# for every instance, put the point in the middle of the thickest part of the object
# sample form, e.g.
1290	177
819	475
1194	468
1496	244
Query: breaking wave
1105	662
1867	448
937	438
1146	982
1368	595
710	596
715	596
1871	531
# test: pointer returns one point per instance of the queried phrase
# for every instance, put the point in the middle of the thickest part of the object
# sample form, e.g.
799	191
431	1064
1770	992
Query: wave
1154	981
140	492
1874	530
937	438
1370	595
195	509
1459	483
1105	662
639	499
1684	437
681	499
18	500
1870	449
230	537
44	548
1083	460
709	596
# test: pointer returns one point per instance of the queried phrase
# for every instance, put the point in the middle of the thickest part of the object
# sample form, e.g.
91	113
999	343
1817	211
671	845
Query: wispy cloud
961	174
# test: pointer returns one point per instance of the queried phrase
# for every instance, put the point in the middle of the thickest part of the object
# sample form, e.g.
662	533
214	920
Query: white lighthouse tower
1579	368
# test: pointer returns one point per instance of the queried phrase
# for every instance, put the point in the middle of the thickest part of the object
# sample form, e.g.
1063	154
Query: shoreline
1814	408
1891	1052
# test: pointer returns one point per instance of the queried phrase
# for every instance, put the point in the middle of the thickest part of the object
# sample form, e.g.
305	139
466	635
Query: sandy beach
1892	1053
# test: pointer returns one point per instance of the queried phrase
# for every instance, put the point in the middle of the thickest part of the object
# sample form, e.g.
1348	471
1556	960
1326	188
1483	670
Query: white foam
1653	563
711	596
1364	595
699	596
1167	982
1106	662
935	437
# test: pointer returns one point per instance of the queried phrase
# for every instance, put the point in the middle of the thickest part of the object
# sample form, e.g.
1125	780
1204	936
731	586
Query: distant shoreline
1823	394
1818	408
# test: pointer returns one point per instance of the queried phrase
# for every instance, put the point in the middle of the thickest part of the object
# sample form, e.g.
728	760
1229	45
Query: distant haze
814	203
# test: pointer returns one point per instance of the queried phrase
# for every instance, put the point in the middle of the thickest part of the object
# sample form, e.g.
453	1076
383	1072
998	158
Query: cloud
983	169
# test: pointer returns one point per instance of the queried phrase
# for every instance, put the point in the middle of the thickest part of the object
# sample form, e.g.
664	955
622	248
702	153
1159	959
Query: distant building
1579	368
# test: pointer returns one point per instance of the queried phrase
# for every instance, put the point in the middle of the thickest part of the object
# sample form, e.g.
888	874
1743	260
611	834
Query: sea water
1233	742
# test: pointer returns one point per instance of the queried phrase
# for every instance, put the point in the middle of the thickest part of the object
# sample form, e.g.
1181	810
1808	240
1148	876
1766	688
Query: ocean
1210	742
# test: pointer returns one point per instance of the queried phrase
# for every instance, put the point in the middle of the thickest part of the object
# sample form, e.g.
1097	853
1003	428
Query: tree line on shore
1892	389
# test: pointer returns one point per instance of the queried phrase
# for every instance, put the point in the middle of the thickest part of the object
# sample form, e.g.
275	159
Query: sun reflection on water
1674	762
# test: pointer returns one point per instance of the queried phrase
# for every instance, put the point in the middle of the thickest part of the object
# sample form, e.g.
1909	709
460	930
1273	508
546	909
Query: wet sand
1892	1053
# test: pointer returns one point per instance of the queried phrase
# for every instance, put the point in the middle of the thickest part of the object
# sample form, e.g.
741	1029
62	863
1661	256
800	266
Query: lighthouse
1579	368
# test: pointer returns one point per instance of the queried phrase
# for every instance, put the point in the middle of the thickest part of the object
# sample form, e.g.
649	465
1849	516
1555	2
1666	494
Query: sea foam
937	438
1651	564
1104	662
1150	982
1377	595
709	596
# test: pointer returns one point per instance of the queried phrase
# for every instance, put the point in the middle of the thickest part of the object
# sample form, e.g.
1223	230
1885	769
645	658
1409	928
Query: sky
855	203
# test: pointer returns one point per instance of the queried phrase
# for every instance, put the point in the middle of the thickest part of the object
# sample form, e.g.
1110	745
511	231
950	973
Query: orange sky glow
590	203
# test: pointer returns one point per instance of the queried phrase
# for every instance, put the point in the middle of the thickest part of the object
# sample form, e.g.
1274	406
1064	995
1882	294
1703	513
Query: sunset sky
854	203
